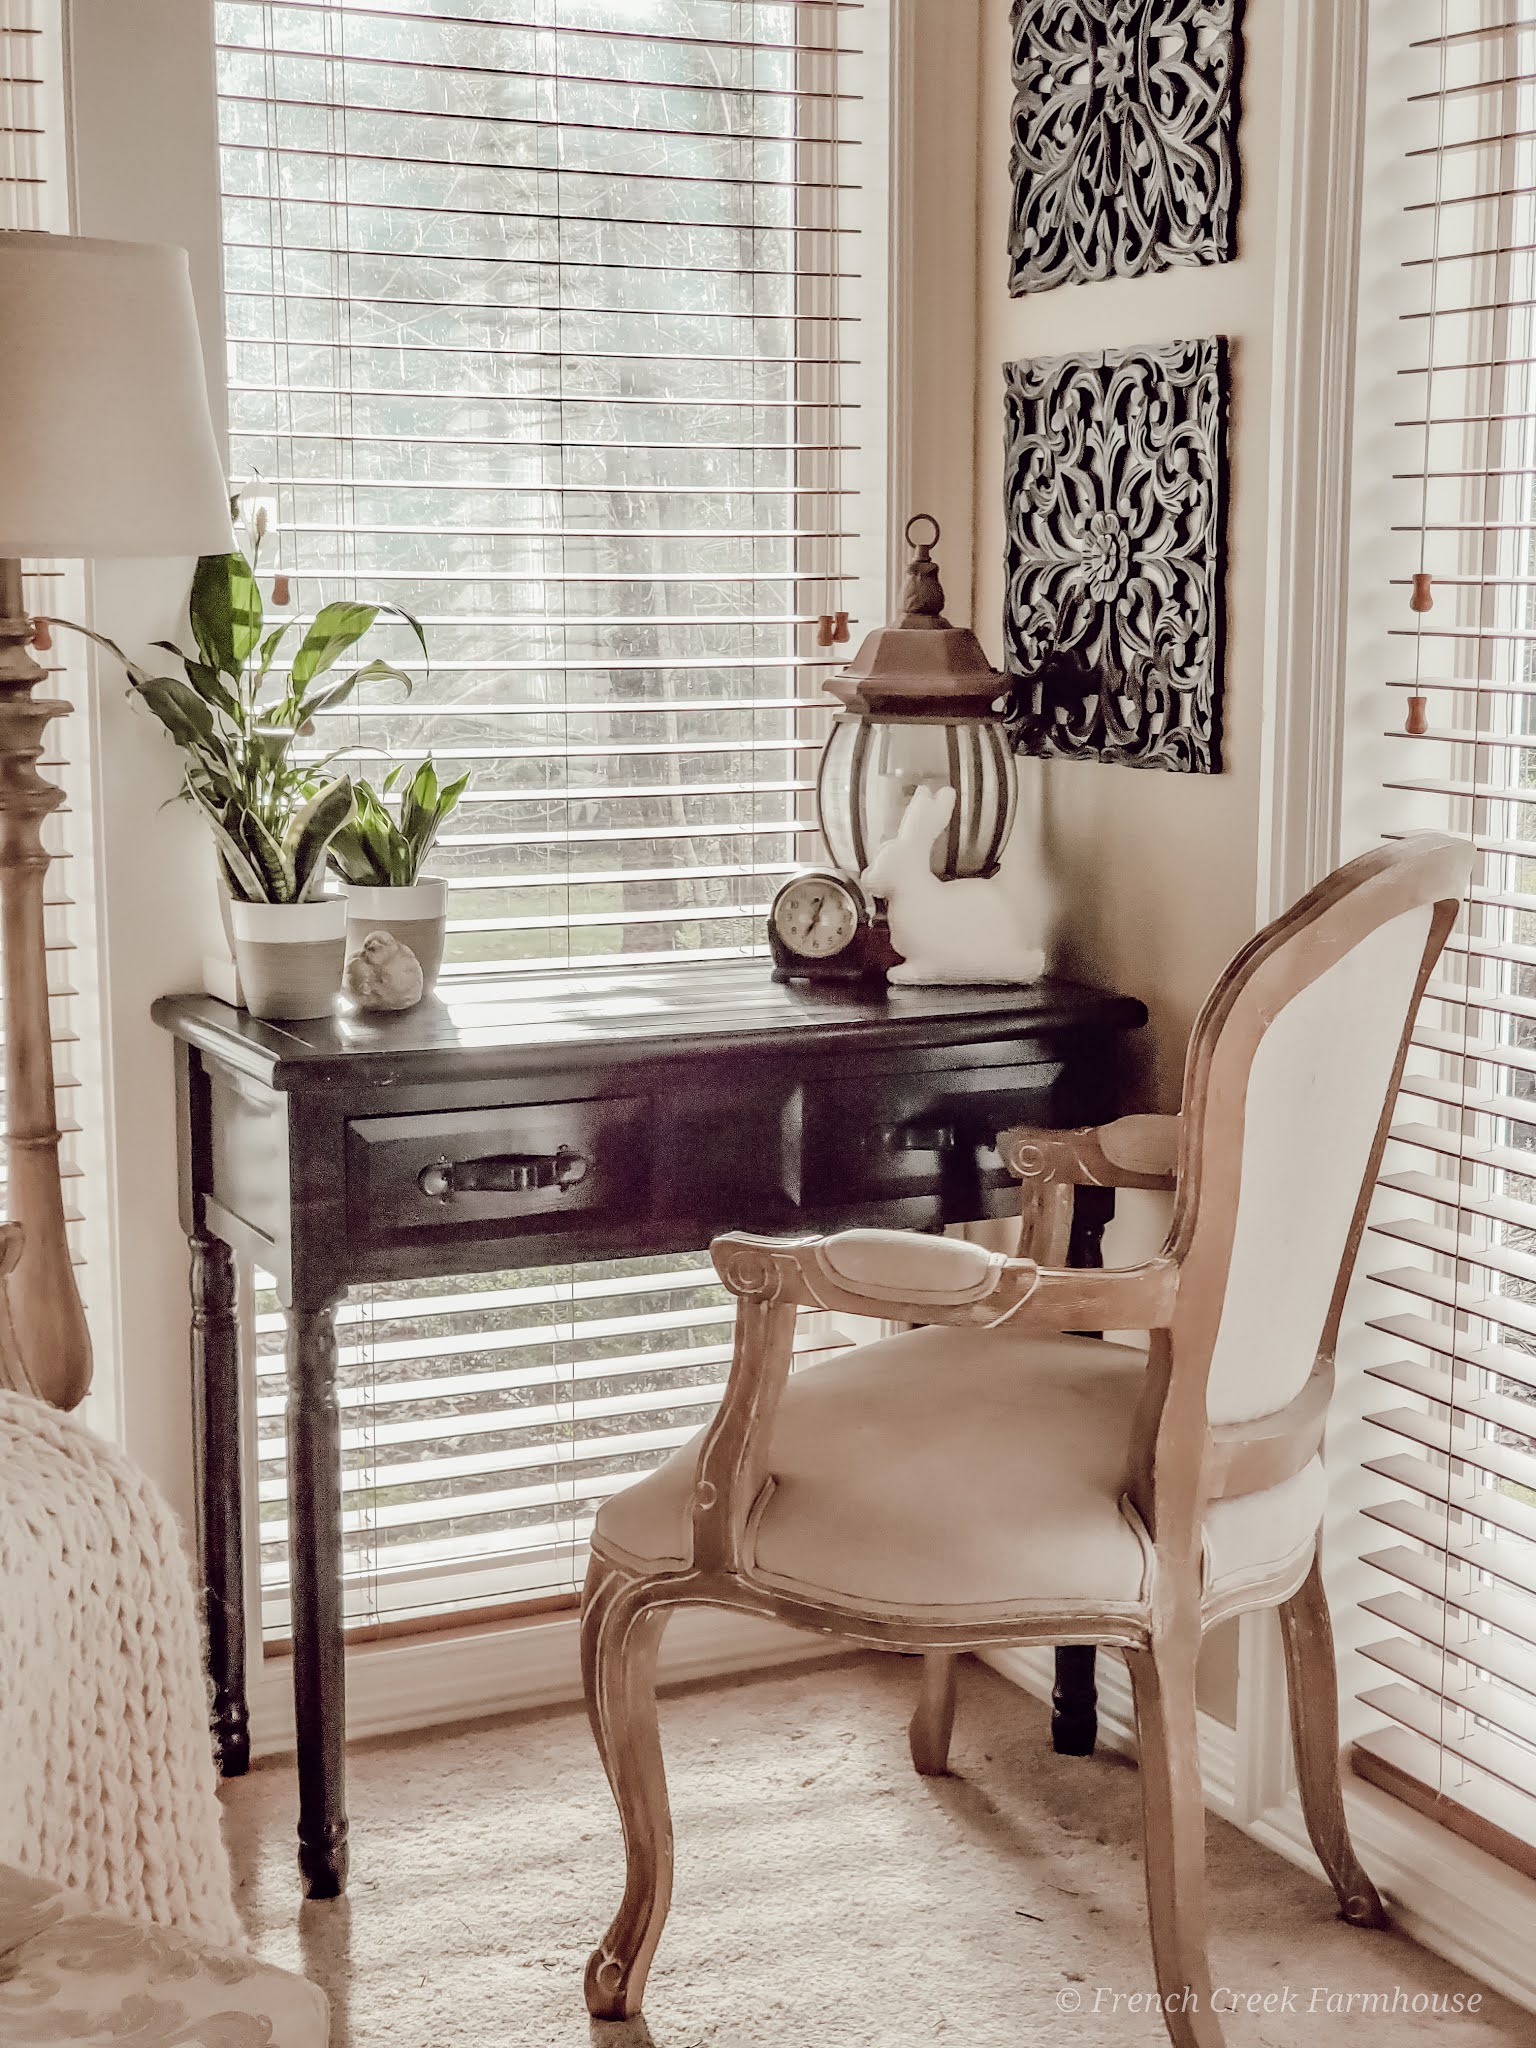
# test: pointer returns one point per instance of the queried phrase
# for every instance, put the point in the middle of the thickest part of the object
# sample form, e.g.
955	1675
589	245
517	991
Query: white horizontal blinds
22	84
546	322
33	195
538	329
483	1427
1451	1627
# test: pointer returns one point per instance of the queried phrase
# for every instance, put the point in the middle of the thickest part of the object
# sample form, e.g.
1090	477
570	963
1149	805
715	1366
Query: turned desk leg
216	1399
1075	1699
314	1568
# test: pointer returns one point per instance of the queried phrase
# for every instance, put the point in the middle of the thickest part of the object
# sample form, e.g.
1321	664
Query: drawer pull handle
505	1173
917	1137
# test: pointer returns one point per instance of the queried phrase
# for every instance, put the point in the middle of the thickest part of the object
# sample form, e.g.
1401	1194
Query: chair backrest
1289	1083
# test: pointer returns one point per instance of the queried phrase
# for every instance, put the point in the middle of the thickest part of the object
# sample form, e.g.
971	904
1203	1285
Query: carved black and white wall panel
1124	138
1115	502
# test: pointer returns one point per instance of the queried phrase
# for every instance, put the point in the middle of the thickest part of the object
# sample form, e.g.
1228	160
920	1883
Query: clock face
816	916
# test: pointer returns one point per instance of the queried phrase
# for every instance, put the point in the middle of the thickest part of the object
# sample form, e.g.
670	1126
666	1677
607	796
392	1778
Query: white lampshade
106	445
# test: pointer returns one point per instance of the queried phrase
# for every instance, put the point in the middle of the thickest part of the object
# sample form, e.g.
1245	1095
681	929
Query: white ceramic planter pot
416	915
290	955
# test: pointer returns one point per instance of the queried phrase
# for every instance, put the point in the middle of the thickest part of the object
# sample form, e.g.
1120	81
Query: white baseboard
1444	1893
427	1680
1034	1671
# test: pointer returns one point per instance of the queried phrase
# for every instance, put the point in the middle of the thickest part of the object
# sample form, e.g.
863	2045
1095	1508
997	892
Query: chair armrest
905	1276
900	1275
1132	1152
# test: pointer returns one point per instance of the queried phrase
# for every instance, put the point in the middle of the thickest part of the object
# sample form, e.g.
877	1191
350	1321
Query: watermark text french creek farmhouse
1285	1998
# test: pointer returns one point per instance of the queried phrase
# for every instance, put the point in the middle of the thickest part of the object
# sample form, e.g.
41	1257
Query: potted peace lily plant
380	857
273	817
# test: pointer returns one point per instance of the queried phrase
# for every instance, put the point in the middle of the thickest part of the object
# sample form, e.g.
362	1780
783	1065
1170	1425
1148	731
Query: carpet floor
826	1896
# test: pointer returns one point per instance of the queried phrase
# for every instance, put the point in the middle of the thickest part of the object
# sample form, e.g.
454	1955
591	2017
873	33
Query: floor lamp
106	449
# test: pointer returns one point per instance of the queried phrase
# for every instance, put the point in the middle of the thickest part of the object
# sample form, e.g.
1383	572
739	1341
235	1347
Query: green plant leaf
423	807
357	857
225	612
244	882
270	745
210	688
179	709
135	674
336	627
315	701
369	851
253	858
309	836
268	652
414	623
418	803
266	849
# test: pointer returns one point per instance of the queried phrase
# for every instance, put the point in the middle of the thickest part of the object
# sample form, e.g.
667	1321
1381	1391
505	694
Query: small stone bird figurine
383	975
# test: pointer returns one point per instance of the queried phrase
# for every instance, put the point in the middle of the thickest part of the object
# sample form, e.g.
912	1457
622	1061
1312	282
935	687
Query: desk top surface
502	1021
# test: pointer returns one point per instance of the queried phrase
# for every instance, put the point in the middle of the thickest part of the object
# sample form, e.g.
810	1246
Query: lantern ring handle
918	519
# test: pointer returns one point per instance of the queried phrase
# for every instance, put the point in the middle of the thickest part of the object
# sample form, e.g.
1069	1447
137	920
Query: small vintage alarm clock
821	927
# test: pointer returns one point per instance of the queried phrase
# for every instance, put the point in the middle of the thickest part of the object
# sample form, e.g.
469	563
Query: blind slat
1491	1607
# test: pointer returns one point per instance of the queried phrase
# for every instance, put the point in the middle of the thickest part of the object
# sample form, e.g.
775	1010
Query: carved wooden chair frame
1179	1461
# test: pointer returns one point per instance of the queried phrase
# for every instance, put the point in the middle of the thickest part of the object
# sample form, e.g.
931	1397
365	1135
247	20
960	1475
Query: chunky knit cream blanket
107	1782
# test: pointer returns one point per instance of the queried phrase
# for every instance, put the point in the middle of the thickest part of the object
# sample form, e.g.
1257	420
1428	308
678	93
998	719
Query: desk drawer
894	1136
538	1163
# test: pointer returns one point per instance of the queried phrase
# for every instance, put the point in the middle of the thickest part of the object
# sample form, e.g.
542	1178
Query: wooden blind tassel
280	591
840	626
1422	600
825	630
42	636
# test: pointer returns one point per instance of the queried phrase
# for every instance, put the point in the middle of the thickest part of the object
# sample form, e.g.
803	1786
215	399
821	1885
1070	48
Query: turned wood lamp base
45	1347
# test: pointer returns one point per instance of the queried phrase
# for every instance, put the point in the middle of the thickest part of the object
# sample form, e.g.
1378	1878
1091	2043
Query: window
34	194
559	323
1452	1613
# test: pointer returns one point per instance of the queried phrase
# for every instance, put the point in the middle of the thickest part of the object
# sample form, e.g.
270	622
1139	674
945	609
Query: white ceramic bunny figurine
962	931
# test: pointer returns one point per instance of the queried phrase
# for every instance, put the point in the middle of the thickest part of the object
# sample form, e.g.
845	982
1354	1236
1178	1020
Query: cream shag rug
826	1896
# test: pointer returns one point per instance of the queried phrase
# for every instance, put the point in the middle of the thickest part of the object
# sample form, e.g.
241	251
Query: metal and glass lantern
920	702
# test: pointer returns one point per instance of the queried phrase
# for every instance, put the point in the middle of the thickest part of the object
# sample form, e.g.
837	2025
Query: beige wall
146	169
1158	875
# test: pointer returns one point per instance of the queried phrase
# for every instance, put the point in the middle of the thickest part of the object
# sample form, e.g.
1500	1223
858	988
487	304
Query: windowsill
425	1681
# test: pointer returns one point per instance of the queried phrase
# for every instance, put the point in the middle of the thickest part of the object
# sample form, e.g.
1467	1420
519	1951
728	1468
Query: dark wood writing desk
697	1098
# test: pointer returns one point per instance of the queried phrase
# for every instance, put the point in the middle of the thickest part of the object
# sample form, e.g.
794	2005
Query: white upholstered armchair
988	1479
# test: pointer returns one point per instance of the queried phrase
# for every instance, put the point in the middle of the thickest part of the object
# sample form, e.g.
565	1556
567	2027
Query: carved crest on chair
1124	138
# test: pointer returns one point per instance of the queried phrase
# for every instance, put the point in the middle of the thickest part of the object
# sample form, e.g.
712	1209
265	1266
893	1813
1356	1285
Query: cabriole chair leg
621	1630
934	1719
1173	1824
1312	1680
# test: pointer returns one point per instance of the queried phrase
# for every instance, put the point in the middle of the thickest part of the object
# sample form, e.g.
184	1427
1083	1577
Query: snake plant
373	849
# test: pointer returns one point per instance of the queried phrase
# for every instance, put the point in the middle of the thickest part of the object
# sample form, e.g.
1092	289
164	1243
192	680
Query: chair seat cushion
960	1469
71	1974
